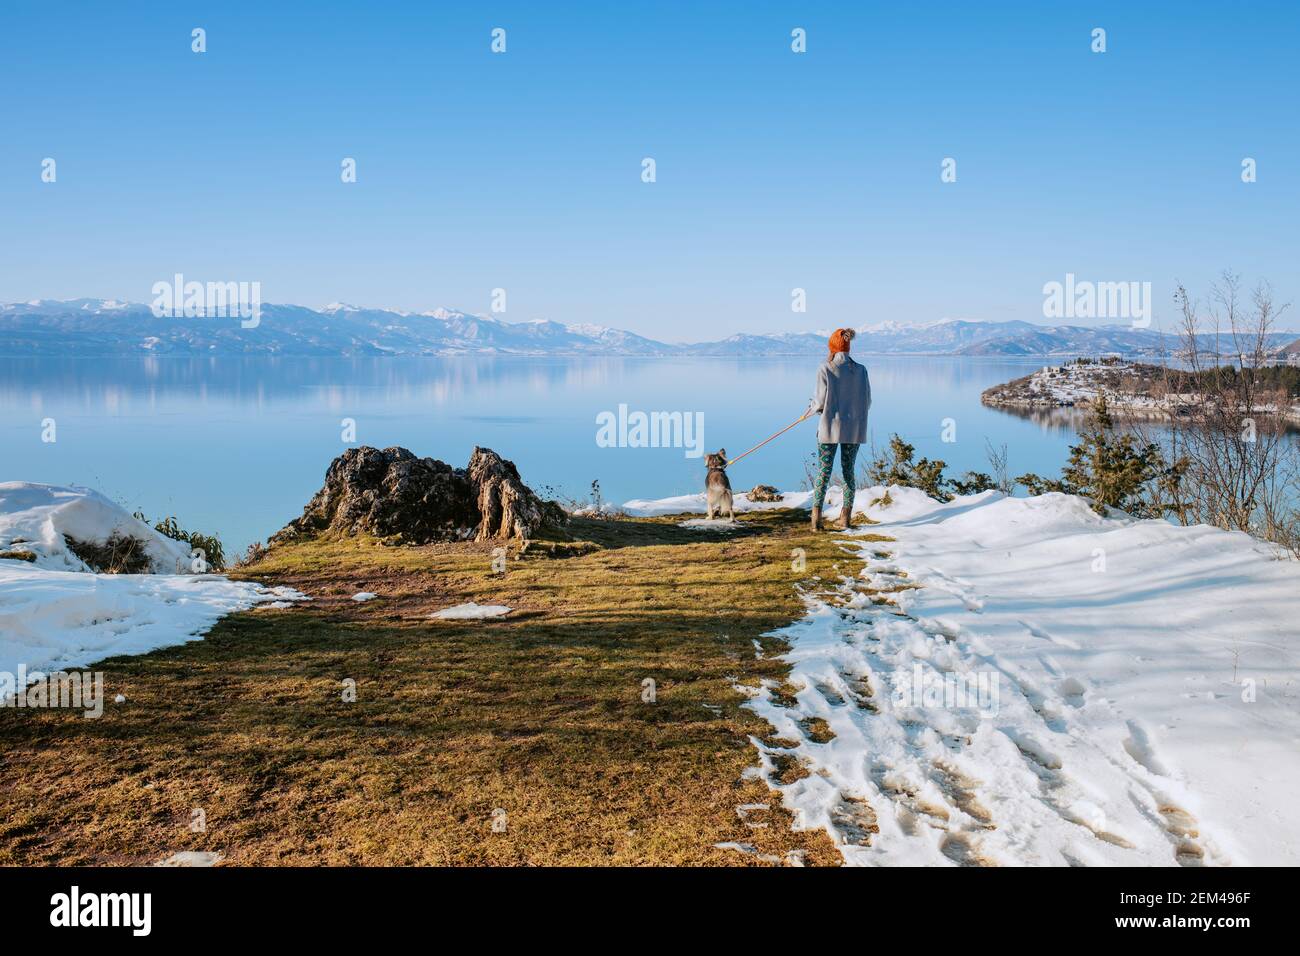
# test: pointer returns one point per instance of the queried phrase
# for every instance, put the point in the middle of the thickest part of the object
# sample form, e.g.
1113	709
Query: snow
1130	690
593	331
38	516
1041	685
1077	380
791	858
52	620
705	524
472	611
1080	384
361	596
192	858
56	614
696	504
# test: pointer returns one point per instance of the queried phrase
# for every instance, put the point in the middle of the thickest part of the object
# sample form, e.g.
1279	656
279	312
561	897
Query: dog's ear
722	453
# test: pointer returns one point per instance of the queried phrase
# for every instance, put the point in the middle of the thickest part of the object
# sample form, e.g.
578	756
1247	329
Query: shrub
896	466
255	552
883	501
973	484
118	554
208	544
1114	470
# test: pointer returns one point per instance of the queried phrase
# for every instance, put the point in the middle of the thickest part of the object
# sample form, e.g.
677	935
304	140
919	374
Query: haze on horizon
774	170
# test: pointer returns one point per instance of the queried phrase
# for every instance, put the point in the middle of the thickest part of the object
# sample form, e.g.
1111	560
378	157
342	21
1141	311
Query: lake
238	446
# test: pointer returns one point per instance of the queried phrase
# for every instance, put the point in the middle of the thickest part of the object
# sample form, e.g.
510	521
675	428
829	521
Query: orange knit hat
840	340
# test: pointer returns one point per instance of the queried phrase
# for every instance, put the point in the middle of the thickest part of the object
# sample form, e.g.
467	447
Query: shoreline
1076	387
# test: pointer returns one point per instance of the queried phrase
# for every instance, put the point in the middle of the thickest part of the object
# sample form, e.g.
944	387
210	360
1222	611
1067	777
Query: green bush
972	484
1114	470
896	466
208	544
1111	469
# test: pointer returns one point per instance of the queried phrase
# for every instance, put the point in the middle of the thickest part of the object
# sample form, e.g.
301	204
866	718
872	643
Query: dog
717	489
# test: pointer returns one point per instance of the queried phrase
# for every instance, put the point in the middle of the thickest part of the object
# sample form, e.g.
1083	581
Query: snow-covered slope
35	518
1133	690
56	614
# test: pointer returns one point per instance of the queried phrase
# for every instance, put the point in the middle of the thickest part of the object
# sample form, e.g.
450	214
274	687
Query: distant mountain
86	327
95	327
1063	339
965	337
786	343
940	338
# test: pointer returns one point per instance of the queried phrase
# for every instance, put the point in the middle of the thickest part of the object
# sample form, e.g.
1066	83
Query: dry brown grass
118	554
539	714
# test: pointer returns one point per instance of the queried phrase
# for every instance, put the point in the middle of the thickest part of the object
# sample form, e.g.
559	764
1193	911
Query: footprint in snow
1138	746
854	820
1044	635
1034	749
1073	691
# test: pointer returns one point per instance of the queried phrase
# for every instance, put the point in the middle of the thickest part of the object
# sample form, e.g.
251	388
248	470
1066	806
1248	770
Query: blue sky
775	170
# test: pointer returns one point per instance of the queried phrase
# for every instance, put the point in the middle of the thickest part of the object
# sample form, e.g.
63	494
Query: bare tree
998	459
1227	415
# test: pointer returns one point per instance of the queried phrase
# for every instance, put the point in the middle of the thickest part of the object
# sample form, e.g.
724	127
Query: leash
804	417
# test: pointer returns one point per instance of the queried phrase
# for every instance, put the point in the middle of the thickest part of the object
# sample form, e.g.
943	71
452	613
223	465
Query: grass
118	554
539	714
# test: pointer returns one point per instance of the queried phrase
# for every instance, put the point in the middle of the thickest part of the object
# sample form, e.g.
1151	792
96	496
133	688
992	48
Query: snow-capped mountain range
83	327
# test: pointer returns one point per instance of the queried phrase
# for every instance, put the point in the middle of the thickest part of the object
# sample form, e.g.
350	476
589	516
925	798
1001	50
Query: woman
843	398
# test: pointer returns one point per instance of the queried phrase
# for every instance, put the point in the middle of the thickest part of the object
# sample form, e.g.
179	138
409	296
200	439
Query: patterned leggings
825	461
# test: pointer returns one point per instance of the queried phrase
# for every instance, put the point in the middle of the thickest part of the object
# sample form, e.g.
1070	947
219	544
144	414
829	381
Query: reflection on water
1068	420
261	382
239	445
1064	420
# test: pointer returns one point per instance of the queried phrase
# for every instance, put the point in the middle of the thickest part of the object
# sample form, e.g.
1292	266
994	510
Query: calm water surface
239	445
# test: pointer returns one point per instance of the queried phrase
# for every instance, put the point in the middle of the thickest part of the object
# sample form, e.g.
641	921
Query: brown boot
846	519
817	519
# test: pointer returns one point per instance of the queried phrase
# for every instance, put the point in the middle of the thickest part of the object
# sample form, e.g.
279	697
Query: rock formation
394	494
507	507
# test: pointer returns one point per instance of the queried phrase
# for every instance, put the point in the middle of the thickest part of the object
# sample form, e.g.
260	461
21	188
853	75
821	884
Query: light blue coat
843	398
